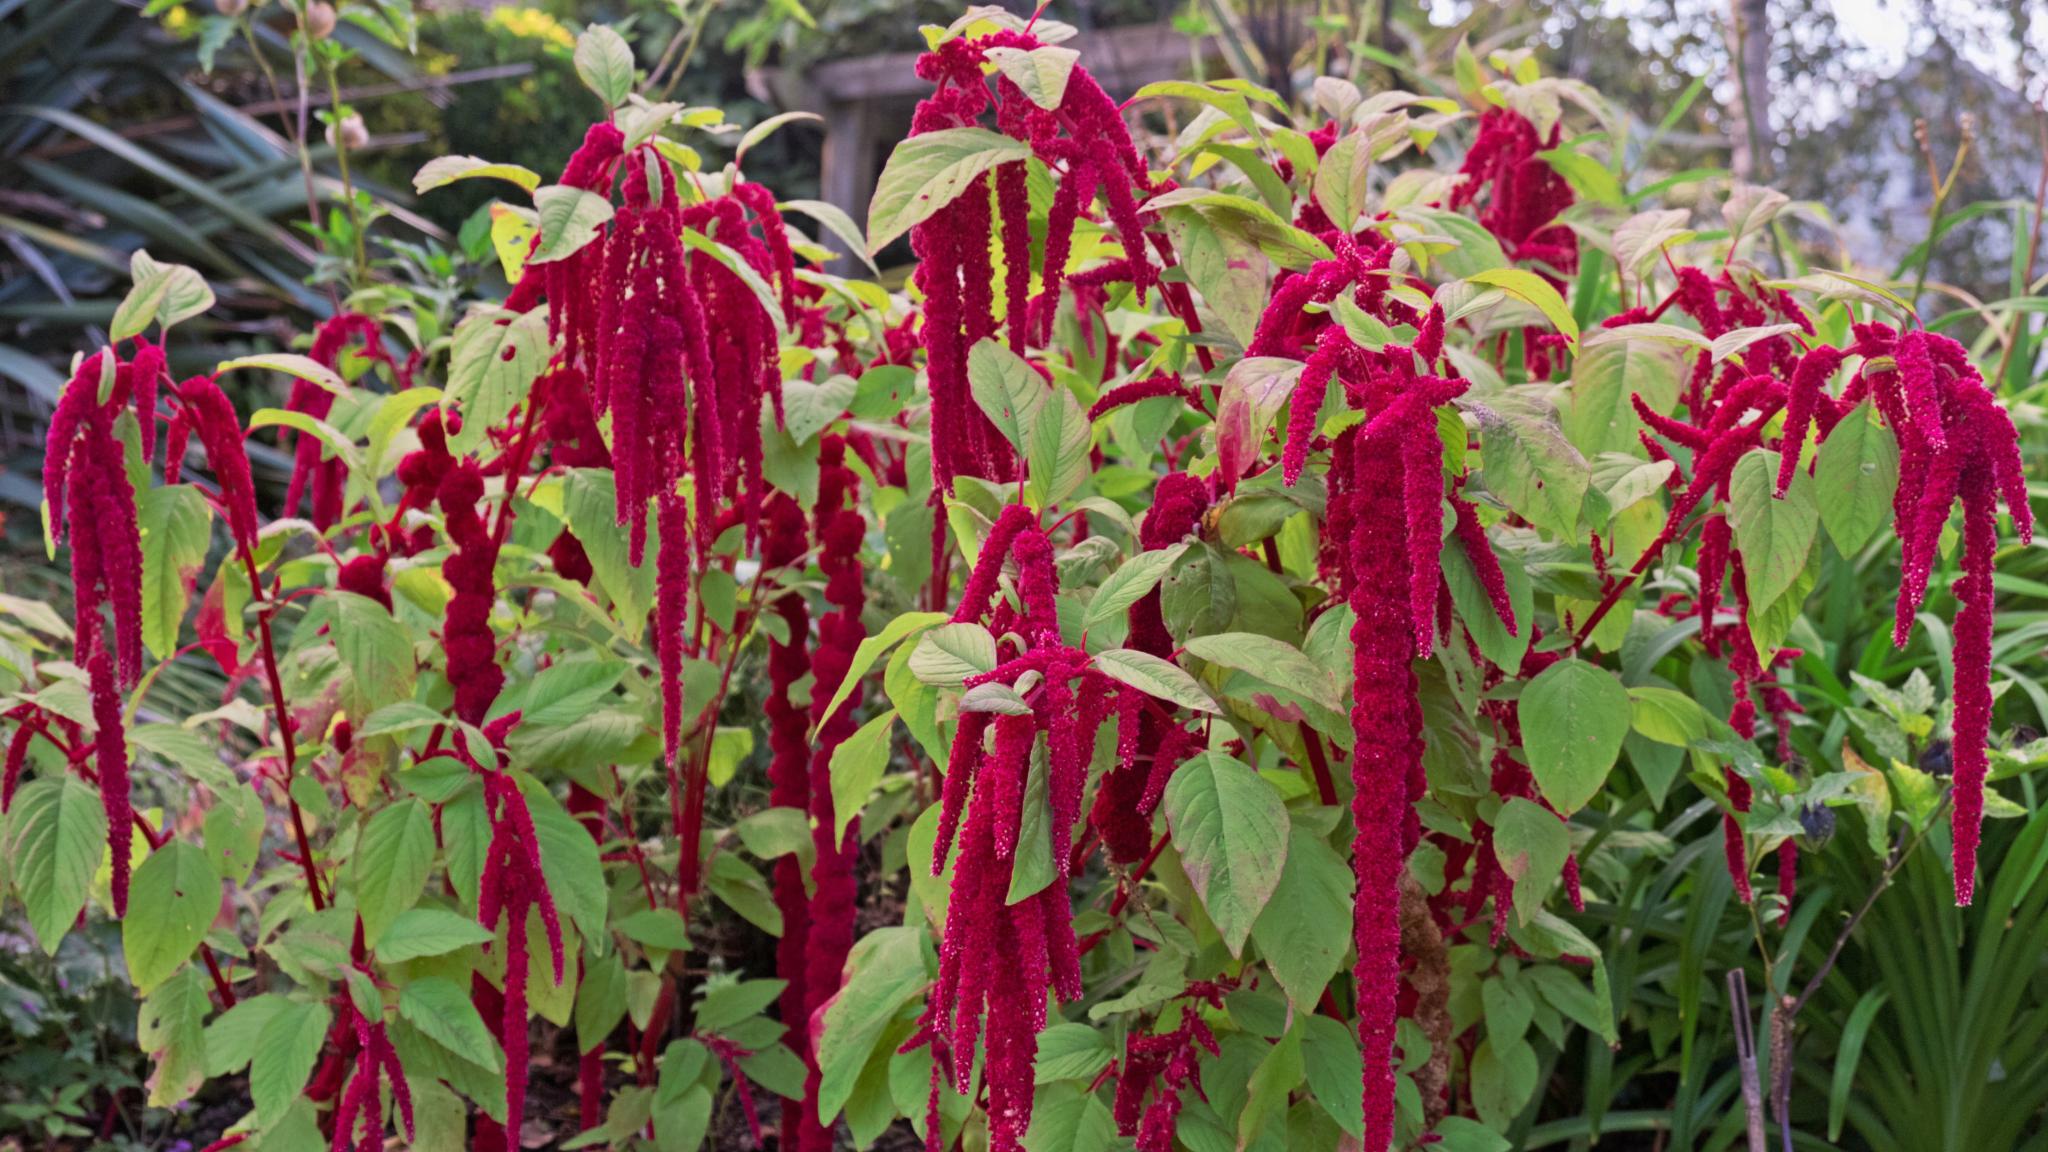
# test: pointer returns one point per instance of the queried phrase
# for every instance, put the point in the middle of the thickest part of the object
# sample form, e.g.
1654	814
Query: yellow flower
533	24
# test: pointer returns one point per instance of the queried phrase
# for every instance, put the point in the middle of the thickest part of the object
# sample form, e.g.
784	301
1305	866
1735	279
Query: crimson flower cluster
999	957
92	506
1084	138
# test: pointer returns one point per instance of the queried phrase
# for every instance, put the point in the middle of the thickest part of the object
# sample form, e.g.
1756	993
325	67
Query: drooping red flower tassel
1149	746
789	782
514	885
829	930
466	636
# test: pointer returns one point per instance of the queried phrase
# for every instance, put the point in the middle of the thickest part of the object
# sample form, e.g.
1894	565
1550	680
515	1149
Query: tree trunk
1749	56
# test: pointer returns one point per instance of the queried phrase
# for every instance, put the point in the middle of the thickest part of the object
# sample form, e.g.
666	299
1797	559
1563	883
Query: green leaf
1855	476
657	928
176	528
334	442
418	932
175	894
1230	827
442	1010
809	406
164	294
872	648
1040	73
291	364
725	1005
1462	1134
1056	449
56	834
1667	716
1503	1080
1531	844
1574	716
1008	389
1161	679
1274	662
1529	464
1127	584
282	1061
376	648
766	297
1596	414
1305	928
857	767
589	506
950	653
491	370
600	999
1334	1067
391	865
170	1028
568	859
1849	1053
837	222
926	173
604	62
1071	1052
1340	181
444	170
885	971
570	218
1776	536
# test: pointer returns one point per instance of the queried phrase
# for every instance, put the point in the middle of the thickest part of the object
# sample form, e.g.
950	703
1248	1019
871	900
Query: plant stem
284	729
348	189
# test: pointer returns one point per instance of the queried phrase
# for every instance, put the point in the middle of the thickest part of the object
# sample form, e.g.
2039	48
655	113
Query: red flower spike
208	412
783	545
110	758
466	636
1479	550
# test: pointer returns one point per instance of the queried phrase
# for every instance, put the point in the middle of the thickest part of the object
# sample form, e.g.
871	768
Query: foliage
1161	674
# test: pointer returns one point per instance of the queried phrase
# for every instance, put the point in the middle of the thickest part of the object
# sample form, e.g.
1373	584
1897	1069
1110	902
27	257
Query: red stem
284	729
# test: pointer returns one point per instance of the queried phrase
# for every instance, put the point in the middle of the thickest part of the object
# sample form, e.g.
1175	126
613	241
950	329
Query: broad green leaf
926	173
568	859
1040	73
1775	536
1158	678
1529	464
164	294
1667	716
1275	662
1531	844
950	653
857	767
1503	1079
175	533
656	928
1008	389
172	899
1596	414
589	505
1230	827
1305	927
872	648
418	932
604	62
496	358
442	1010
376	648
837	222
1128	584
444	170
1855	475
1071	1052
885	971
56	834
1056	449
1333	1067
170	1027
282	1061
291	364
391	865
570	218
1340	182
1574	716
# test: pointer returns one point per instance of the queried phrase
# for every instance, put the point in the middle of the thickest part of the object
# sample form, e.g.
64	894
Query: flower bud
318	19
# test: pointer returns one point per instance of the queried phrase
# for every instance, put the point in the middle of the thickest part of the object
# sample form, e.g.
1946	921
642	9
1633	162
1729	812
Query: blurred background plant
271	145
